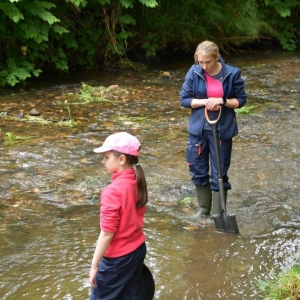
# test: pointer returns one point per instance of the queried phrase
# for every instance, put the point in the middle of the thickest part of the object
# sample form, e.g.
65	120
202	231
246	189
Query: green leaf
11	11
11	64
43	4
16	18
149	3
70	42
127	3
59	29
44	15
284	12
127	19
103	2
32	31
36	72
12	80
78	3
24	26
28	65
22	73
124	35
3	73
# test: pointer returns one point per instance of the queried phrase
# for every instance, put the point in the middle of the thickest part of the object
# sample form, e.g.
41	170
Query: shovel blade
226	223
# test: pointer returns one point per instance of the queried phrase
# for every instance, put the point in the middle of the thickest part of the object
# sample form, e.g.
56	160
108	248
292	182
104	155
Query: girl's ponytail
141	185
140	178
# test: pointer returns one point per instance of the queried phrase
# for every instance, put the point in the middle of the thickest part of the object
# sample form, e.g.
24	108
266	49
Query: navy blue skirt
118	278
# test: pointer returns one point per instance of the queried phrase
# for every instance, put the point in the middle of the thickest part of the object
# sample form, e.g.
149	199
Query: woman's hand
213	103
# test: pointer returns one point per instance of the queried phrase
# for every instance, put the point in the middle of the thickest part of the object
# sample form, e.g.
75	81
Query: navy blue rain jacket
194	86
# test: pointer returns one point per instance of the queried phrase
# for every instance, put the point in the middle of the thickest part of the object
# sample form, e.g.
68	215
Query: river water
51	180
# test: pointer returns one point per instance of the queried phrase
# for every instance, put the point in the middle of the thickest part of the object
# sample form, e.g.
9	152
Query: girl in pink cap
120	251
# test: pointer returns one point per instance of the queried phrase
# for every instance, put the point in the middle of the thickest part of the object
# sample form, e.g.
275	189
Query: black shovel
224	223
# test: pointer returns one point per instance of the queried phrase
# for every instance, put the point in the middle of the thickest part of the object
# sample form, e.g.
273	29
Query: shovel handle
213	122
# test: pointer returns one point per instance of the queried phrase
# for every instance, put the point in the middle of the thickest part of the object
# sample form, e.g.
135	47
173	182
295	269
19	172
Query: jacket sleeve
187	91
110	209
239	89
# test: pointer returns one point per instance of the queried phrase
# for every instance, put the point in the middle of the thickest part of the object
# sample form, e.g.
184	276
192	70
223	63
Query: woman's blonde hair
207	48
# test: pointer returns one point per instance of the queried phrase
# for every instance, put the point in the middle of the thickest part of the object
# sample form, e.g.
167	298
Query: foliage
60	35
67	122
70	122
10	138
285	286
183	23
90	93
245	110
63	35
285	20
188	201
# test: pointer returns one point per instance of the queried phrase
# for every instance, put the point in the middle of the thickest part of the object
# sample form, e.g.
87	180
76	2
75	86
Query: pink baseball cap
122	142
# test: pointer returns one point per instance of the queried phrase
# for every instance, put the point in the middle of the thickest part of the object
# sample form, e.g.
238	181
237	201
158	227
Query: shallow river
50	182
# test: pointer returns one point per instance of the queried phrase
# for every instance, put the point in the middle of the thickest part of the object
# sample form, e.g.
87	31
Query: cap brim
146	288
102	149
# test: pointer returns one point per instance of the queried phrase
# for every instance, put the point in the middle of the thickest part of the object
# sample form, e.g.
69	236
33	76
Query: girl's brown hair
140	178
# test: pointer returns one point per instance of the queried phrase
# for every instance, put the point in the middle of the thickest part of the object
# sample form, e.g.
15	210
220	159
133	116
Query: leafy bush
63	35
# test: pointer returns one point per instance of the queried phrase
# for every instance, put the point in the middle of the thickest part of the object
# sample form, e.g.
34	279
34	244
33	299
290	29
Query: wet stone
34	112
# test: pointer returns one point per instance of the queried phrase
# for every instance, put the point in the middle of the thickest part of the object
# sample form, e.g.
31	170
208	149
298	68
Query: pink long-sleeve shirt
119	214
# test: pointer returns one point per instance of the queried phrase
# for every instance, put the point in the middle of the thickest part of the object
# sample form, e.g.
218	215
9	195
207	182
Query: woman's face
208	63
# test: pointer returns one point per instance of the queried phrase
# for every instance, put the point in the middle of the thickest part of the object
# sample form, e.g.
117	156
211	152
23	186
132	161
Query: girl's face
208	63
112	163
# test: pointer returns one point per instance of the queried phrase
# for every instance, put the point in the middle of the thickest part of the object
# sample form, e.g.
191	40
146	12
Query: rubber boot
216	202
204	198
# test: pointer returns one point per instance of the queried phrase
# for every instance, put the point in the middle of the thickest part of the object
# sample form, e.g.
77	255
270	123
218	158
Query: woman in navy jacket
211	83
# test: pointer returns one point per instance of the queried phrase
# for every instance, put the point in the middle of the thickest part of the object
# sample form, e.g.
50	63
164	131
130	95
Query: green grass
246	110
285	286
100	93
69	122
10	138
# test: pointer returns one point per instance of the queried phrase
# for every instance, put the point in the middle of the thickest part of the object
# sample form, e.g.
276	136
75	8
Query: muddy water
50	183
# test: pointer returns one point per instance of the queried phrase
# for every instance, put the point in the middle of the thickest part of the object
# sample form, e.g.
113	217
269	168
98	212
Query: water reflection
50	187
